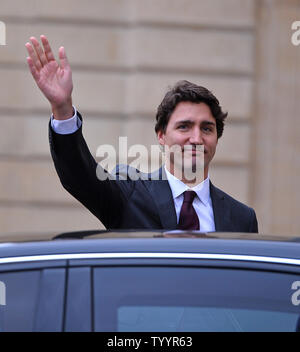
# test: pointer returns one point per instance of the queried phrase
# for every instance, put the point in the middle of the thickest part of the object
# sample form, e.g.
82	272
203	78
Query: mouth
195	152
194	149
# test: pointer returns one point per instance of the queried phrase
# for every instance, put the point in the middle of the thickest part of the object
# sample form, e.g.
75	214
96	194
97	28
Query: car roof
157	242
101	234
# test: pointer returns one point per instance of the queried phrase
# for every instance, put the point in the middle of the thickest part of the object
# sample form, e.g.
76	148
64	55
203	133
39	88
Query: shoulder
123	172
127	172
218	194
242	218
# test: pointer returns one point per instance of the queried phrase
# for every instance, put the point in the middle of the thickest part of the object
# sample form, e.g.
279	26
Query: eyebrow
209	123
190	122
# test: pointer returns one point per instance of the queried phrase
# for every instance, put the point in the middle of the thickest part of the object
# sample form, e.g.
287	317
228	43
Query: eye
182	127
207	129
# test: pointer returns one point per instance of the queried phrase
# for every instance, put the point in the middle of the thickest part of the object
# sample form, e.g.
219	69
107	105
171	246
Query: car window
21	294
182	318
193	299
78	305
34	300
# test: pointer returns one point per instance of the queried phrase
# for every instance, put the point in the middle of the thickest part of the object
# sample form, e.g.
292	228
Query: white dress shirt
67	126
202	203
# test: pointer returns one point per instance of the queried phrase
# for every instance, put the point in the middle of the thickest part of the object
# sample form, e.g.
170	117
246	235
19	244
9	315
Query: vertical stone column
276	133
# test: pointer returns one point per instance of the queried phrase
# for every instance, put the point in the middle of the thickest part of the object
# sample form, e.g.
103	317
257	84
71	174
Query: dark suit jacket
127	204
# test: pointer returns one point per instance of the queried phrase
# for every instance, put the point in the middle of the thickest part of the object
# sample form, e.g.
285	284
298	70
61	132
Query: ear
161	137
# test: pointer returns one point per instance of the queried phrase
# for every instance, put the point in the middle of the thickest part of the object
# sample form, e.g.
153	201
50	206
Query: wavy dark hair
187	91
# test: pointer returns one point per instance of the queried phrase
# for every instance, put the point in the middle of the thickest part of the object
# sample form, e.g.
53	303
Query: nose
196	136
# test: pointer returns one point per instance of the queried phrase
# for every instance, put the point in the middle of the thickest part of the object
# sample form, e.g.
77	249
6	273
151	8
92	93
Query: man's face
191	125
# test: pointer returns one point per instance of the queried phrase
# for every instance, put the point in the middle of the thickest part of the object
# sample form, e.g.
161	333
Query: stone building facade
124	54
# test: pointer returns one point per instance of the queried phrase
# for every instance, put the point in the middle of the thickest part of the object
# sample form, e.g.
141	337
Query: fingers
64	63
40	57
32	68
33	56
47	48
39	51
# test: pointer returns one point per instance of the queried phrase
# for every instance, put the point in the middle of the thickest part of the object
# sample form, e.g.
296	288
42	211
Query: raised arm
53	78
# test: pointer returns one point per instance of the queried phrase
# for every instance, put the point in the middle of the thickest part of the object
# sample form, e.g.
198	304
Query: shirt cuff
67	126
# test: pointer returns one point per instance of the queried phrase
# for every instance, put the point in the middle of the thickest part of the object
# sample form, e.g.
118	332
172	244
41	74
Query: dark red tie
188	219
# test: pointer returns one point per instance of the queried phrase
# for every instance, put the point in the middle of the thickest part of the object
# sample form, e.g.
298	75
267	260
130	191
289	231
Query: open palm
53	79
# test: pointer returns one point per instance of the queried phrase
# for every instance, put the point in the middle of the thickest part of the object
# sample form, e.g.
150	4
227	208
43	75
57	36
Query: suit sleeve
76	169
253	222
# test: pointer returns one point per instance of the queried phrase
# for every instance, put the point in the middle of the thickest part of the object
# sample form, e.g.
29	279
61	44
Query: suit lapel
221	211
159	188
161	193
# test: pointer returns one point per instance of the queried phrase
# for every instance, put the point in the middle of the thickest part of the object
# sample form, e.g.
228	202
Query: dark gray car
148	281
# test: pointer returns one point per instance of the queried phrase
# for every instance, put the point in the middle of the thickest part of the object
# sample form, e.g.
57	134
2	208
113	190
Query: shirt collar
178	187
